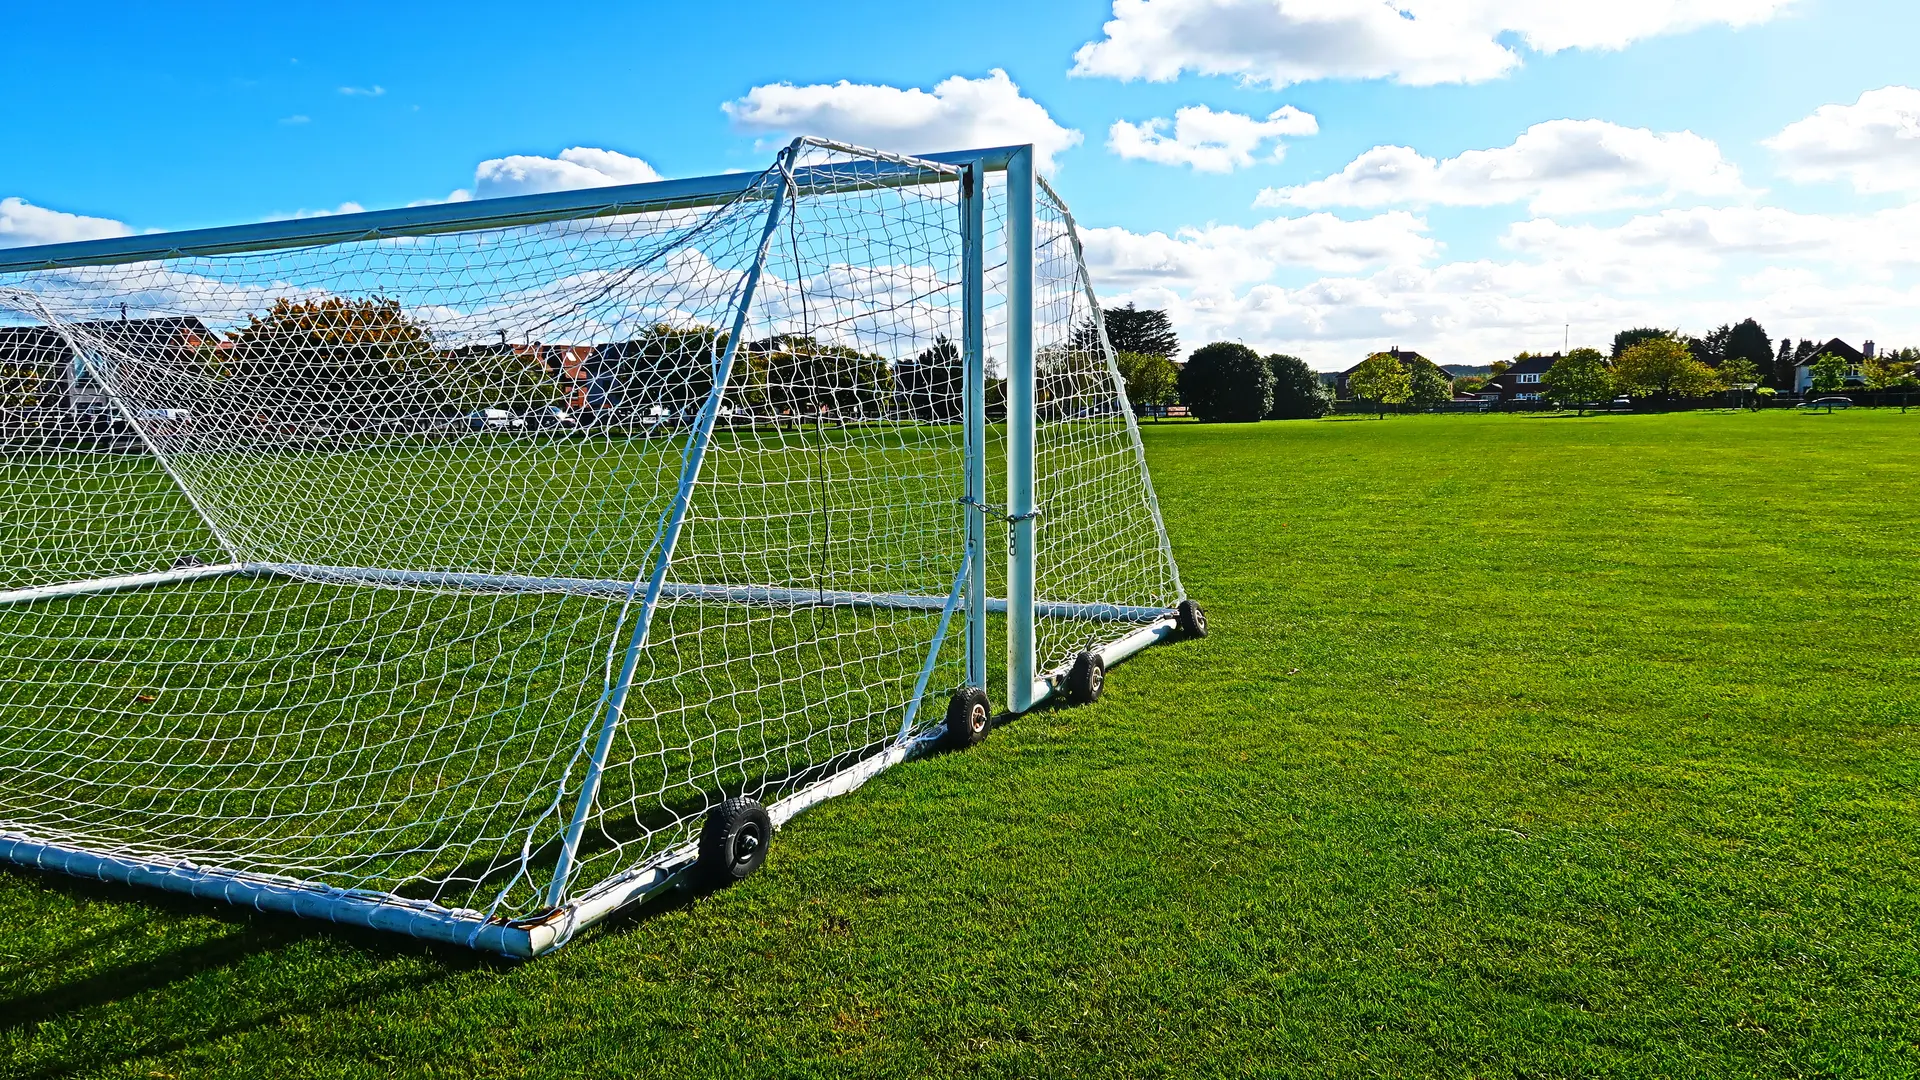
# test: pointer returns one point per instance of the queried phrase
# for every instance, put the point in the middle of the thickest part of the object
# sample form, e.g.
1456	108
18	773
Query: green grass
1522	746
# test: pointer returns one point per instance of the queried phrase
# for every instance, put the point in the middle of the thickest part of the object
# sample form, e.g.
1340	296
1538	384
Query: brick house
38	368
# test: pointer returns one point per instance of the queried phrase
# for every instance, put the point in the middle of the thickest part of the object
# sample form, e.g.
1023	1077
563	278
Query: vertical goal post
298	612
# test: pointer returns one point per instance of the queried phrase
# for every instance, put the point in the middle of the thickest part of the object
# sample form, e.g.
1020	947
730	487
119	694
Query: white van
493	419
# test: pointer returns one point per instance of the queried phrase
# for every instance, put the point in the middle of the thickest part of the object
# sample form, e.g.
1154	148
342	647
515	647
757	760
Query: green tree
1470	384
1298	393
1579	378
1664	368
932	386
1738	371
1829	373
1627	339
1381	380
1130	329
1711	349
1428	386
796	375
1891	370
1151	378
1783	366
1227	381
667	367
1749	341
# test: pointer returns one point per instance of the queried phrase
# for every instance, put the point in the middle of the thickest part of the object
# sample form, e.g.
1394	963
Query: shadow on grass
254	969
250	933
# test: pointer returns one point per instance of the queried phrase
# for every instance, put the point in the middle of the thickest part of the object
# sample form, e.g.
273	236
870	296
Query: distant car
553	417
1827	403
494	420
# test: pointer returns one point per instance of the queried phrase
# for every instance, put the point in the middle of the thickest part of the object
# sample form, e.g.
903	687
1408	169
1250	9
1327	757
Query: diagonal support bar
667	537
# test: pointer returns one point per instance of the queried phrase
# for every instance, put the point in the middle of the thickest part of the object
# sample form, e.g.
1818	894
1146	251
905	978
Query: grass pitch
1522	746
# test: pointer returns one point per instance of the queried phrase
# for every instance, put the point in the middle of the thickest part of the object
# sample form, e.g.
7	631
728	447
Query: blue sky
1675	199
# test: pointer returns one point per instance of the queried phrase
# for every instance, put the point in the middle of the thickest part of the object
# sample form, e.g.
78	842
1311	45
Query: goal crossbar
691	193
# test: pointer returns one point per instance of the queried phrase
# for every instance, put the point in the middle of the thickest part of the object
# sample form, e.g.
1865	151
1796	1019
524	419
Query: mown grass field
1522	746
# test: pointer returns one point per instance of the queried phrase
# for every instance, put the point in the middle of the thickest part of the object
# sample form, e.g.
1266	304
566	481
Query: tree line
356	362
1227	381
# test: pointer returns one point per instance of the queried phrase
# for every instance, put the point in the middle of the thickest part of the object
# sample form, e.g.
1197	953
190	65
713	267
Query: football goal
473	570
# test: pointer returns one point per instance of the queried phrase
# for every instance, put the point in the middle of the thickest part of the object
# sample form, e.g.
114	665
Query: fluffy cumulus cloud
1417	42
578	167
1234	254
1873	144
1209	141
1561	166
1707	237
958	113
22	224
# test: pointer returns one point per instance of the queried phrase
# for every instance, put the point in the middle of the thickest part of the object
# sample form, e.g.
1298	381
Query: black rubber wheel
1193	621
1088	678
968	716
733	842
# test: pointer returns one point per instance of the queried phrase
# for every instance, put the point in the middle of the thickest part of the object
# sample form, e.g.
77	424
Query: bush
1227	382
1298	393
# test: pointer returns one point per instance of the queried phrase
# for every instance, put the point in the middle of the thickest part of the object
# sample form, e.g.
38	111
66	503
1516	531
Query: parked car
1827	403
494	420
554	417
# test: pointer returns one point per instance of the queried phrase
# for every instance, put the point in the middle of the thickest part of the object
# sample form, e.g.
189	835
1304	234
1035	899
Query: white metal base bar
122	583
419	918
769	595
1112	653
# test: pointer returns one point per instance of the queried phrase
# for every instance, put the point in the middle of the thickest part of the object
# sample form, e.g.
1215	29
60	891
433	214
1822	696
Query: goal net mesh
403	499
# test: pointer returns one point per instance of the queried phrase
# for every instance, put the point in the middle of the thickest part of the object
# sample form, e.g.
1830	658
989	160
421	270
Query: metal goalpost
298	622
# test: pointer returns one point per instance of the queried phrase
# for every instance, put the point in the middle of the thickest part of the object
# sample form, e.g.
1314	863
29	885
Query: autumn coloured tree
1663	368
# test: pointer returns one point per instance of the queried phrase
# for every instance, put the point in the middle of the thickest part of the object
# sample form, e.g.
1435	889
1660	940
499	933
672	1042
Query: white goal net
442	571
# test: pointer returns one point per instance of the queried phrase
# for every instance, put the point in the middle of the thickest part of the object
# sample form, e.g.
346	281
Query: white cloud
296	118
577	167
1417	42
1560	166
1804	275
1705	236
1874	144
957	114
363	91
23	224
1232	254
1209	141
348	207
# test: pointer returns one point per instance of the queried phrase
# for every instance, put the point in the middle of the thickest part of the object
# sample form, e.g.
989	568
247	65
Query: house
1855	358
1524	381
39	369
1408	360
